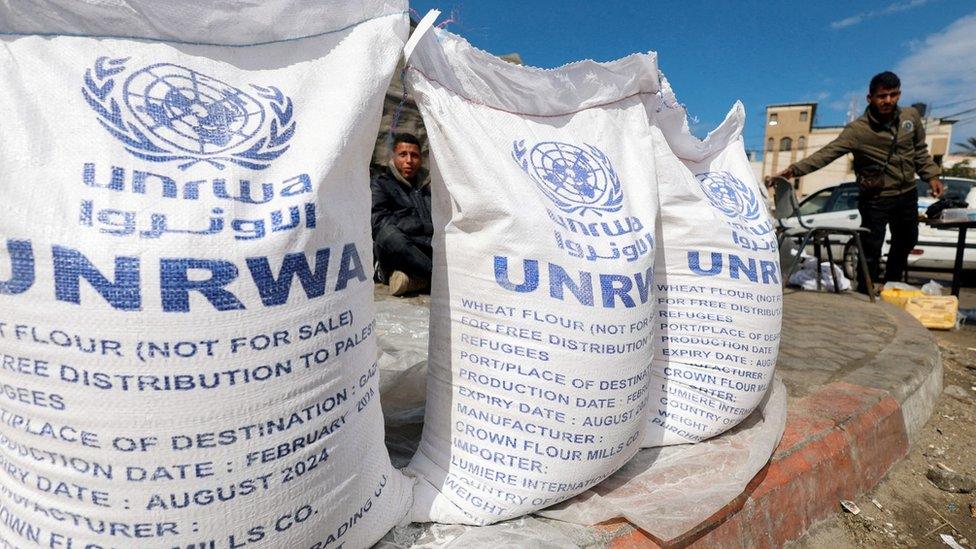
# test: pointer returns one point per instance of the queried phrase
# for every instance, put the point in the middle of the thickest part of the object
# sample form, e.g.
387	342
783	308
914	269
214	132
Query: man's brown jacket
870	141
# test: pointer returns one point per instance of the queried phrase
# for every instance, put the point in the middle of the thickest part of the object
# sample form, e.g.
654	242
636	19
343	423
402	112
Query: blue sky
760	52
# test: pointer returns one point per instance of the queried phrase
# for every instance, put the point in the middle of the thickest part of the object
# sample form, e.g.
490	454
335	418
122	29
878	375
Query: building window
769	144
785	144
803	116
801	143
773	119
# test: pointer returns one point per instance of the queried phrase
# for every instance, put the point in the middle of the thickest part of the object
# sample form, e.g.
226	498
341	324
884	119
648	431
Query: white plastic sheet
522	533
665	491
806	276
402	329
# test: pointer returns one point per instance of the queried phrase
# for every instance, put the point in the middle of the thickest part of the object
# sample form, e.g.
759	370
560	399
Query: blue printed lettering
70	266
117	183
21	268
350	267
275	291
139	179
770	272
123	291
558	279
170	188
220	190
176	284
694	263
530	268
613	287
302	184
736	265
616	285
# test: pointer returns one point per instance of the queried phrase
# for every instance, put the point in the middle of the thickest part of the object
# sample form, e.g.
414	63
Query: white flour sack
542	297
187	355
718	289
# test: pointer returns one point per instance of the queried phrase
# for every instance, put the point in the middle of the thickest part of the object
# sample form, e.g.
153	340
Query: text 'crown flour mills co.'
185	304
542	292
718	288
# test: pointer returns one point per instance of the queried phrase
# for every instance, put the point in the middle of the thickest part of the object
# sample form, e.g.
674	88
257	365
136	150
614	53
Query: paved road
825	336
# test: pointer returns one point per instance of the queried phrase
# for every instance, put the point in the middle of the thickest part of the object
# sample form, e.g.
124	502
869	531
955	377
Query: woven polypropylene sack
185	297
718	286
544	214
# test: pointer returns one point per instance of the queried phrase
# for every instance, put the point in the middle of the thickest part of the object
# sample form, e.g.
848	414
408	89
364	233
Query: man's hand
785	174
936	188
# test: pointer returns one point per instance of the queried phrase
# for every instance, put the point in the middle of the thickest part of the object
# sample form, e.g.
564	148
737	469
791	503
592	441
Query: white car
936	249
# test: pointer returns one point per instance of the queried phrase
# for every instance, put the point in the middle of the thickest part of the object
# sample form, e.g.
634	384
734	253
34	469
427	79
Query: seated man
402	228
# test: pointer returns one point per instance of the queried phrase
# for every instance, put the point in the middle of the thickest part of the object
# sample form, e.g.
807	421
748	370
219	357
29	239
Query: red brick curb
839	442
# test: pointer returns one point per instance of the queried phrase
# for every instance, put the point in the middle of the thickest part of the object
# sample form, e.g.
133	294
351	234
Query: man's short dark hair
408	138
887	80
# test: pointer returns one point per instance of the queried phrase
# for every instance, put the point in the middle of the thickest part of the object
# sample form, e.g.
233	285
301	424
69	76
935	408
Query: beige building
791	136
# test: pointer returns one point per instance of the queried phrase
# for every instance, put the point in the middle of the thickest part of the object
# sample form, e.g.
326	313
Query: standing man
888	144
402	227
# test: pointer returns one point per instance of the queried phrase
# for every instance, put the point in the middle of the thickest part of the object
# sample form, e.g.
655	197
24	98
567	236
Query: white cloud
848	21
940	71
887	10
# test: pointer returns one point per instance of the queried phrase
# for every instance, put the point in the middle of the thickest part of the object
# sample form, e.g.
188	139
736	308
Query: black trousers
899	214
397	251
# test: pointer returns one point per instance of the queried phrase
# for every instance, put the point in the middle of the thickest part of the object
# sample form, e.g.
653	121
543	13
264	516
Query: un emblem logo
730	196
165	112
573	178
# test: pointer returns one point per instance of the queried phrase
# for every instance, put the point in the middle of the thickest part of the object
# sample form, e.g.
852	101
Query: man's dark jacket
398	202
870	141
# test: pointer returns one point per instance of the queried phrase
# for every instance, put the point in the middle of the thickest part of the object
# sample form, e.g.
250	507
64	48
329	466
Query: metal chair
788	206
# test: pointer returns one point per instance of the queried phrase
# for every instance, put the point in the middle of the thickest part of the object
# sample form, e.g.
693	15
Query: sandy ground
906	510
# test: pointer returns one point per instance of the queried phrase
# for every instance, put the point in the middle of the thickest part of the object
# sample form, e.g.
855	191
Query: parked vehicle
936	249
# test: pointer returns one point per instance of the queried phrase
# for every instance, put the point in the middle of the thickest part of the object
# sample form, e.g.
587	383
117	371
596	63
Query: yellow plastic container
897	296
935	312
